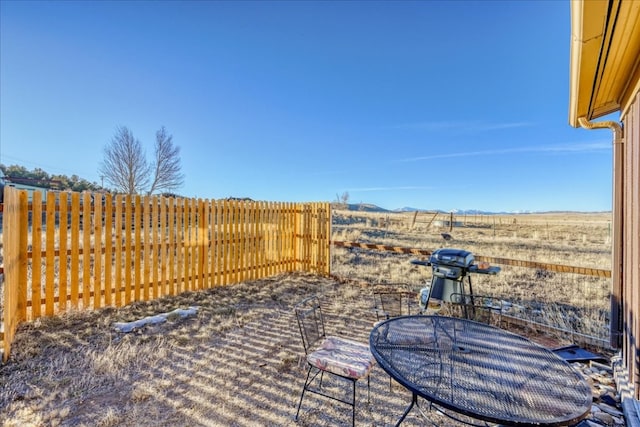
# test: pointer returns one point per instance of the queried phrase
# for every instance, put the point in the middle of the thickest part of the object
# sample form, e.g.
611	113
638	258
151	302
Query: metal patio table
480	371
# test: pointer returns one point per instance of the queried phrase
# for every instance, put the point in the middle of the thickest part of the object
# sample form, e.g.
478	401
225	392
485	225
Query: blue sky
434	105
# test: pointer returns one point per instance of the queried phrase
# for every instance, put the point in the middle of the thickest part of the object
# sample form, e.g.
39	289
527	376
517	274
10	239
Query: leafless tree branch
124	166
166	173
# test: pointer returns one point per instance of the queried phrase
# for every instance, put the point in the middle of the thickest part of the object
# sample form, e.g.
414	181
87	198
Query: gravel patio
237	362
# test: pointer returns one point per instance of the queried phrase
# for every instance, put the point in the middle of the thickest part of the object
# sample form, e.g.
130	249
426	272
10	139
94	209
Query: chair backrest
480	308
310	321
389	304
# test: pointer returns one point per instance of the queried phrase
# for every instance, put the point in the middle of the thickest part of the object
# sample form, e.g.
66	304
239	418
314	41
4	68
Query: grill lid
452	257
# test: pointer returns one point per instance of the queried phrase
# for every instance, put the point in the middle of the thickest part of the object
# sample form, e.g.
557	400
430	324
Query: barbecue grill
451	273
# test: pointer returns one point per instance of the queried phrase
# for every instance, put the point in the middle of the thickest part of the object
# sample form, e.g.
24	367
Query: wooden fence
87	251
558	268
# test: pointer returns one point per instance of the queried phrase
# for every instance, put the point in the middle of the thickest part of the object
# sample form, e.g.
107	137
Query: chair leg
353	406
304	388
310	378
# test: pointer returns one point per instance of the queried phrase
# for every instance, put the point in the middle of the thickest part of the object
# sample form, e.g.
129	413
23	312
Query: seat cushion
342	357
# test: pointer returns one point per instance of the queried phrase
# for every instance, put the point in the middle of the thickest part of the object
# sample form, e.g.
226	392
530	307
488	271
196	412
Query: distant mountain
477	212
407	209
459	211
366	207
410	209
369	207
361	207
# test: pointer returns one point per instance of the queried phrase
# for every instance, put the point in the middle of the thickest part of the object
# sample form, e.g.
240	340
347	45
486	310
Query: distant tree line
125	169
41	178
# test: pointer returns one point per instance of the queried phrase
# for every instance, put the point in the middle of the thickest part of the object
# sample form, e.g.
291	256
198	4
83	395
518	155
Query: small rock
604	417
610	410
615	397
610	399
619	421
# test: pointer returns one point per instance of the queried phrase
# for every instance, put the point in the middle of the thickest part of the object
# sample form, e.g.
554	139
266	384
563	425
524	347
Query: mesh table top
481	371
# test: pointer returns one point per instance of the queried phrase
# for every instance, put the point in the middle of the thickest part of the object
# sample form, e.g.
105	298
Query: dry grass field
574	302
238	361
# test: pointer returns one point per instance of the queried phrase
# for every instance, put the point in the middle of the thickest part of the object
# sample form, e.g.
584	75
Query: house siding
629	304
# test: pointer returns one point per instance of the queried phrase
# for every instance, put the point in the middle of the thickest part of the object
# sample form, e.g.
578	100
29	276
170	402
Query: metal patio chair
388	304
480	308
333	355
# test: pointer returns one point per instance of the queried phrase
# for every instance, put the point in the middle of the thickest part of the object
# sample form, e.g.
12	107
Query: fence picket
253	250
225	241
117	265
262	240
171	232
85	250
146	251
62	250
108	250
203	252
75	249
97	253
139	226
152	223
128	249
219	243
36	247
163	284
193	243
179	246
50	254
240	263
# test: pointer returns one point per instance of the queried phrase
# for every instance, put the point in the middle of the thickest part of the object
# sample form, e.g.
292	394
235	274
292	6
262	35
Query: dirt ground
237	362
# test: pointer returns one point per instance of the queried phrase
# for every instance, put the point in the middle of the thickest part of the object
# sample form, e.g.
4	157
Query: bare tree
166	169
126	169
345	199
124	165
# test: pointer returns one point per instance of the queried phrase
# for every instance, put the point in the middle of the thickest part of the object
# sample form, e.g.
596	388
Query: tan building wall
629	303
